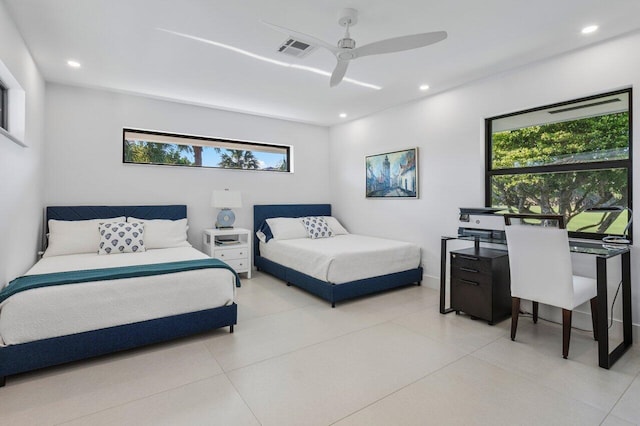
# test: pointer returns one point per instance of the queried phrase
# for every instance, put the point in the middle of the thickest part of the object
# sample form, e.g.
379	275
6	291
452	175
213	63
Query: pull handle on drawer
469	282
465	257
475	271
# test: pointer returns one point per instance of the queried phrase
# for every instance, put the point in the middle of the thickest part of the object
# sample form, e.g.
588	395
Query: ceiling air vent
293	47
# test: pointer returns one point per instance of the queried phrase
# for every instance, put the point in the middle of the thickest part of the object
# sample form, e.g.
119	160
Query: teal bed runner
29	282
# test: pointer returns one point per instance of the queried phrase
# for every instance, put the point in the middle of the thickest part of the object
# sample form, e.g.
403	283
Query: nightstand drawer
239	265
230	253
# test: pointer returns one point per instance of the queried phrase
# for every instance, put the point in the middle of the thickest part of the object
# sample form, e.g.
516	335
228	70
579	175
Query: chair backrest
540	263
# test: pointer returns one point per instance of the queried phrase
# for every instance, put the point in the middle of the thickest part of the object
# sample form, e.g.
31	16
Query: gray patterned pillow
316	227
121	237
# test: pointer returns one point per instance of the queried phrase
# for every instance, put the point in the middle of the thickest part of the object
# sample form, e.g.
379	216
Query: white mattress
343	258
74	308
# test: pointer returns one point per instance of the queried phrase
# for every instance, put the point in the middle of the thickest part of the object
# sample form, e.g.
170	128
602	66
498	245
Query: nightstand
233	246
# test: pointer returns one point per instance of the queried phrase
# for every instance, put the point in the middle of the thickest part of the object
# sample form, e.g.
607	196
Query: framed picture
392	174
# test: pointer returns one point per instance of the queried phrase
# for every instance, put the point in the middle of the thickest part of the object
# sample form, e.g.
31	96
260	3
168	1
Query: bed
314	268
177	293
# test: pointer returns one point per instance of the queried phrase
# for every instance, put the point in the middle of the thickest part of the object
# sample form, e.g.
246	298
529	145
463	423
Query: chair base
566	321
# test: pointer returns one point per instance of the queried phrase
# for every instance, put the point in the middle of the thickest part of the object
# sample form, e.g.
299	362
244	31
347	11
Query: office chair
541	271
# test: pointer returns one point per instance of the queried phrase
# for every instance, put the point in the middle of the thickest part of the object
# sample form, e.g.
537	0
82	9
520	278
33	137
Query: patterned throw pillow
316	227
121	237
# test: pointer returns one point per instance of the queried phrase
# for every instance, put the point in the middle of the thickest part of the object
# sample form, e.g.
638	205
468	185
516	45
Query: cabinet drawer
470	263
239	265
483	278
472	297
231	253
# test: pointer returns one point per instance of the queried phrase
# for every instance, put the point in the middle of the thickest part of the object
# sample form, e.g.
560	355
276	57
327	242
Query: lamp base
225	219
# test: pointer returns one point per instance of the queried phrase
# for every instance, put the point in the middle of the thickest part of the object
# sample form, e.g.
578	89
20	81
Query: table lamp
226	200
610	238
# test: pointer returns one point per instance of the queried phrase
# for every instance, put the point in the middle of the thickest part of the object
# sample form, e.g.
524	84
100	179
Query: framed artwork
392	174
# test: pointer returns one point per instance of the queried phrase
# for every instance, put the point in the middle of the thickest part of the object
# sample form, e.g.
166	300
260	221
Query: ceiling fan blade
303	37
338	73
399	44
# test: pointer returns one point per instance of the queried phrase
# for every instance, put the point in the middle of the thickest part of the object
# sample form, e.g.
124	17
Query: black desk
602	253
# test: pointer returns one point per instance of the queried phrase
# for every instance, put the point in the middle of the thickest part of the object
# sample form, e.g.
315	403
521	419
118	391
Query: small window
572	159
146	147
4	106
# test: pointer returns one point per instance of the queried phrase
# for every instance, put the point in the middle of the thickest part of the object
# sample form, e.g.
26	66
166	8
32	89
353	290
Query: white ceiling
121	48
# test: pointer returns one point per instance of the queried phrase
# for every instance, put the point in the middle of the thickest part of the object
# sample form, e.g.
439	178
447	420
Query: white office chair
541	271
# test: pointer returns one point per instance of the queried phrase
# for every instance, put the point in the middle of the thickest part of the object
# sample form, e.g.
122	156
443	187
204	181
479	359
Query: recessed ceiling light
73	64
343	115
424	87
589	29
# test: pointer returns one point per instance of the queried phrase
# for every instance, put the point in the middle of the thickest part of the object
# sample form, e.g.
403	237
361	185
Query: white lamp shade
226	199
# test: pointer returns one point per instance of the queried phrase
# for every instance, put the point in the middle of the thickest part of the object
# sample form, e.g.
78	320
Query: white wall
448	128
84	156
20	168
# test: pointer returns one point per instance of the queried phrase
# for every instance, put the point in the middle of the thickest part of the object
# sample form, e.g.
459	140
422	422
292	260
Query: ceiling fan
346	49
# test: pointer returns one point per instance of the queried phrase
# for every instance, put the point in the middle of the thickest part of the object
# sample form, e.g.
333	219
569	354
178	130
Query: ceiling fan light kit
346	49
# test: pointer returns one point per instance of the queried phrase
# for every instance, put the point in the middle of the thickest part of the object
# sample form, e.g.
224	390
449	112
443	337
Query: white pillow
163	233
75	236
286	228
121	237
335	226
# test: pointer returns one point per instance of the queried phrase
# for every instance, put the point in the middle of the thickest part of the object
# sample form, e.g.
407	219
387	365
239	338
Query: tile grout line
402	387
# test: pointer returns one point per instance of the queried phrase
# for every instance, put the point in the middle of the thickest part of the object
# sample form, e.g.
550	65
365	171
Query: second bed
338	268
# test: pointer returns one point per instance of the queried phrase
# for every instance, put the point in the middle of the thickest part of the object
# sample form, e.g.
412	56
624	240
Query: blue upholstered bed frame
29	356
326	290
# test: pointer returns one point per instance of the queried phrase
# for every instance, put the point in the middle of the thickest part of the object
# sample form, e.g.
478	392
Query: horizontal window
572	159
145	147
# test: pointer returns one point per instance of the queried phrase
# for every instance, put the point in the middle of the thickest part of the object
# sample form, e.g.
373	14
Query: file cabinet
480	283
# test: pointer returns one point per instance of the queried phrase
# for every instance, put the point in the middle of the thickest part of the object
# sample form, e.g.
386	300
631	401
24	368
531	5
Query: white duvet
343	258
60	310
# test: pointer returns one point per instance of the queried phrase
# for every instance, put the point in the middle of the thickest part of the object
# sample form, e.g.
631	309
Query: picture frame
392	175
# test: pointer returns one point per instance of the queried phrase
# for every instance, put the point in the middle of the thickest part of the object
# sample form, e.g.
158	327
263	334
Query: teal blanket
29	282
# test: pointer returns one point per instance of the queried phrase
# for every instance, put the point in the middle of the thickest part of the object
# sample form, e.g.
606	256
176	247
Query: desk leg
605	358
443	276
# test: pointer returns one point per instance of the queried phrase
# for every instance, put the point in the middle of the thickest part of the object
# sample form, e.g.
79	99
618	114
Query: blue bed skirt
29	356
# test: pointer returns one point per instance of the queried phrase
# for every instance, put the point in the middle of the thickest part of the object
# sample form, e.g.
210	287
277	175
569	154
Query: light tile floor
388	359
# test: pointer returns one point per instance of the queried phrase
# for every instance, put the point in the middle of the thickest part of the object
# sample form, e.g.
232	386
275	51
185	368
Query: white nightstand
233	246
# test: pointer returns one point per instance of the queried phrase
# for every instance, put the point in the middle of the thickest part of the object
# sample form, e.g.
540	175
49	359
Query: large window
145	147
4	101
569	159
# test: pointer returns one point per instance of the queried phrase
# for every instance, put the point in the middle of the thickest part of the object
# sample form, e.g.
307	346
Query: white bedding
67	309
343	258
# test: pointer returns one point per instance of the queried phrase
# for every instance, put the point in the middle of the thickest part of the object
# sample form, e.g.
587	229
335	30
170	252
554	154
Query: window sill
12	137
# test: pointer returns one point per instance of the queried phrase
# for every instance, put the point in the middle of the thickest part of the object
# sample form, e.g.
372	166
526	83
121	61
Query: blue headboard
171	212
262	212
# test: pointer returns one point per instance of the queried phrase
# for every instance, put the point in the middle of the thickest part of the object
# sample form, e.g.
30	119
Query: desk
602	253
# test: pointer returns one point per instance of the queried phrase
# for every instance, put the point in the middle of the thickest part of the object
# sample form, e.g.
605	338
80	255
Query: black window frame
586	166
4	106
212	141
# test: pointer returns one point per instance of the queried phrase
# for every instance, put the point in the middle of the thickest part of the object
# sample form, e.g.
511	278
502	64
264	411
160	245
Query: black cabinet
480	283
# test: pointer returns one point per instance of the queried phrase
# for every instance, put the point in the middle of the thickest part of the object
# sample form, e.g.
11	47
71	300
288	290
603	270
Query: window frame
211	140
559	168
4	106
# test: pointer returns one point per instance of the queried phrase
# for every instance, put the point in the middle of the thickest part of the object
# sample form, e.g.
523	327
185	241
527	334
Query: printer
481	222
